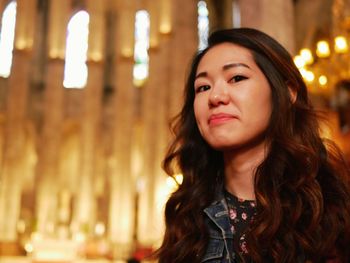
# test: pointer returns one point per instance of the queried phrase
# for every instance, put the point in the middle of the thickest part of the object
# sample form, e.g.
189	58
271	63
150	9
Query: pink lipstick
220	118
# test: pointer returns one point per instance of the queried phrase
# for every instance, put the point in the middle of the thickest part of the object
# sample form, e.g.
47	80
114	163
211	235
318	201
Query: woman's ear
292	94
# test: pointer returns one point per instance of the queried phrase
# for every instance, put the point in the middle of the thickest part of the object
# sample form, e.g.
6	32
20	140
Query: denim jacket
220	246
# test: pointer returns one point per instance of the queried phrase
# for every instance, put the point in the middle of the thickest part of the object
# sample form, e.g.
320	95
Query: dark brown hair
302	187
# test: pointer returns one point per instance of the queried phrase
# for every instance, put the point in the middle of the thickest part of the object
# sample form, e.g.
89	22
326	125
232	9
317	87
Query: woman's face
232	102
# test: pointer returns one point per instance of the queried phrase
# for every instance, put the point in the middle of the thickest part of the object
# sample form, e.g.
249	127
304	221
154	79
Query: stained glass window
75	70
203	24
142	28
7	36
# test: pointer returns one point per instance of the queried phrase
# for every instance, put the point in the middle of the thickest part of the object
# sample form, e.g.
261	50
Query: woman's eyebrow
201	74
225	67
233	65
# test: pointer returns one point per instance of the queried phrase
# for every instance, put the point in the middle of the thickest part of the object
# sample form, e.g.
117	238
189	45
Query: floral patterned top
241	213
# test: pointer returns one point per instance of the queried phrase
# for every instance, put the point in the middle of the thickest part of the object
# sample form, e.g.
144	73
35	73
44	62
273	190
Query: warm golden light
322	49
21	44
306	54
307	75
127	52
21	226
95	56
100	229
170	182
322	80
165	16
165	27
79	237
299	61
138	83
55	53
340	44
174	181
28	247
178	178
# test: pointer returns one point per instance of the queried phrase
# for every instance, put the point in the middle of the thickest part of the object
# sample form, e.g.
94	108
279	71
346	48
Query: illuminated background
87	90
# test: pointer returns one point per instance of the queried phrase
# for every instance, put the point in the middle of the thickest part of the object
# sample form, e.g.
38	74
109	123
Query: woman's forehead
221	55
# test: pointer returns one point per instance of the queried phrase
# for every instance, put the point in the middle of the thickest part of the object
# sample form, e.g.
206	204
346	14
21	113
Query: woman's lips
220	118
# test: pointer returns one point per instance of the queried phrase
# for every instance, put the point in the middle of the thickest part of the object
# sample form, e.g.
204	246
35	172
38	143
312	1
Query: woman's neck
240	168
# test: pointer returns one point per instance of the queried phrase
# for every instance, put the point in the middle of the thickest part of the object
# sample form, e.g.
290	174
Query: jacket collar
218	214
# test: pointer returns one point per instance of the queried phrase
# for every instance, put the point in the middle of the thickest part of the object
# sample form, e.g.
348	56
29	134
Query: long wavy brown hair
301	188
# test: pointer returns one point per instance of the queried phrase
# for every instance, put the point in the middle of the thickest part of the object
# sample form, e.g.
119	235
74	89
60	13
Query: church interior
87	92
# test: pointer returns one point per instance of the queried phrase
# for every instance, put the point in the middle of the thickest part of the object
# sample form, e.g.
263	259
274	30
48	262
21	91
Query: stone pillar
220	13
2	6
281	13
86	201
14	162
14	145
25	24
166	16
58	22
126	20
122	181
97	27
266	14
50	140
251	15
85	204
154	135
162	99
153	9
307	29
184	29
151	112
49	147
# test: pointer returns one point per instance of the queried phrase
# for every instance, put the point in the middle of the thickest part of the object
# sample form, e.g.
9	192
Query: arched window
7	36
203	25
75	70
142	28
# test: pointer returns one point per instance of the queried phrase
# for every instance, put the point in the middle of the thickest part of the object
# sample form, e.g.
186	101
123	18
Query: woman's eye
202	88
237	78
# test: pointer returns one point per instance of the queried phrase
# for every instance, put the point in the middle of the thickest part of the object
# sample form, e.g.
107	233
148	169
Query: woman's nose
218	96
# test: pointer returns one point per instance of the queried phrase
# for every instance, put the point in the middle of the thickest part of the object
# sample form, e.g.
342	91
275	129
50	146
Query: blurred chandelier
328	63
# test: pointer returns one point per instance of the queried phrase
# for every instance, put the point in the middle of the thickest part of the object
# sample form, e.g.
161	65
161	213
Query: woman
259	183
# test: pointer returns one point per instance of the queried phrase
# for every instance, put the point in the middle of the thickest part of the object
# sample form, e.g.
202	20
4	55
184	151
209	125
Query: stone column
14	145
154	135
251	15
58	21
220	13
122	181
85	206
151	112
308	29
154	13
184	43
162	99
2	6
14	162
25	24
50	140
281	13
49	147
266	14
